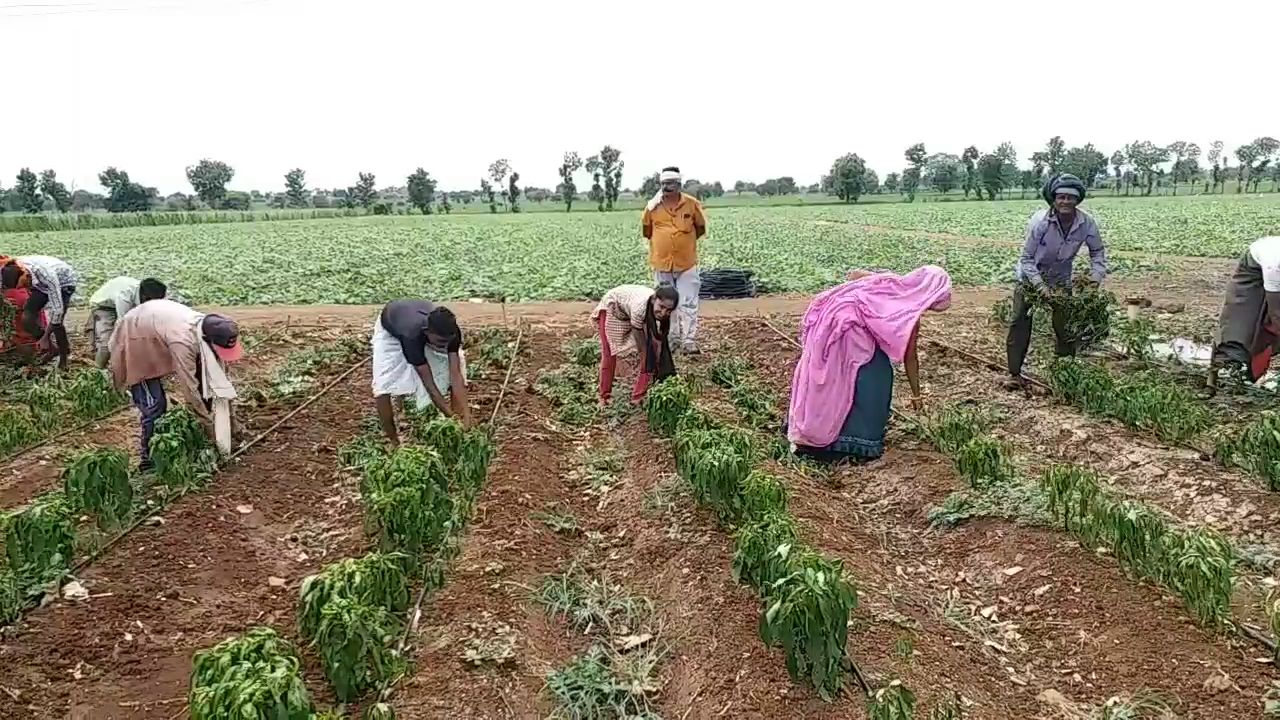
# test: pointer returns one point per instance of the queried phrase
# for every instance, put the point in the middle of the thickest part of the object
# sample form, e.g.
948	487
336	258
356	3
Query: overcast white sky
726	90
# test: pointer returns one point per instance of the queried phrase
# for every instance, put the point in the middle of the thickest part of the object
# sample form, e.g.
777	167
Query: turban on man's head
1066	183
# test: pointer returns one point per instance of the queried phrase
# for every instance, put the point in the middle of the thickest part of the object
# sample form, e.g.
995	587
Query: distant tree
363	193
606	177
915	156
1086	163
236	200
422	191
445	206
568	189
27	190
123	195
596	168
1254	159
717	190
295	188
891	182
1186	162
969	160
694	187
1029	180
848	178
84	201
55	191
486	191
1215	172
513	192
990	172
498	171
1146	156
649	187
1117	165
870	182
943	172
209	179
1053	155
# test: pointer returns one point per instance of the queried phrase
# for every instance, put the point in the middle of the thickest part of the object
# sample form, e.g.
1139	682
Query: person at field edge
19	346
673	223
1249	326
161	337
52	284
635	320
1054	237
417	350
842	388
113	301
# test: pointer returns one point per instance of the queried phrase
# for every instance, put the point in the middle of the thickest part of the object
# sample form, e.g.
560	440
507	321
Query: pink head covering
840	332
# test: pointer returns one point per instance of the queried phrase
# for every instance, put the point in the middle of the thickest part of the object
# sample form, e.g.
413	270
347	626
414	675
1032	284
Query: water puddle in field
1184	350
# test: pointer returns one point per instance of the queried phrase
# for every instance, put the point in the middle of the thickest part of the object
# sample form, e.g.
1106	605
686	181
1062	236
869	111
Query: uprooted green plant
97	482
762	550
11	596
45	398
762	494
1195	564
183	456
984	462
1085	312
17	429
716	463
665	404
354	640
729	370
806	613
1255	448
754	403
572	389
376	579
300	370
1135	336
954	426
91	395
466	452
584	352
256	676
39	539
1141	400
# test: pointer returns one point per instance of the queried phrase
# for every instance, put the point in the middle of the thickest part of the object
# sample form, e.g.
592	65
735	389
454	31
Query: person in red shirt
18	341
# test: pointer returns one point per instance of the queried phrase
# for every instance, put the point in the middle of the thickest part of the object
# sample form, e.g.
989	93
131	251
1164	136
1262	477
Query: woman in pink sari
850	337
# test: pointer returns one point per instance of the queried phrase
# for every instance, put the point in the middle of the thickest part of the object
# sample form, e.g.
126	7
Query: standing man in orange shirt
673	223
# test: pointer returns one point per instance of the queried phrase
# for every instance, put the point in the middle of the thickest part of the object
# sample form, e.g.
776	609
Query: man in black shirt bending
417	350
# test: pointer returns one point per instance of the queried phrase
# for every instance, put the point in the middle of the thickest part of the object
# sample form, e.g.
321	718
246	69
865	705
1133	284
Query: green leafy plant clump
17	429
354	640
892	702
602	683
571	388
665	404
256	676
91	395
984	462
716	463
376	579
1195	564
39	539
727	371
183	455
97	482
754	403
806	613
1255	448
1141	400
762	550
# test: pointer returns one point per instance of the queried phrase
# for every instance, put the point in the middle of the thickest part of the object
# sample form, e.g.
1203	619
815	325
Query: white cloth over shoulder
214	383
393	375
1266	252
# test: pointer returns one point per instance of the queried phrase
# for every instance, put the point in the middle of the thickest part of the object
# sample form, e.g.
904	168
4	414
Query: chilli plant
892	702
353	640
256	676
39	539
1256	448
377	579
665	404
716	463
183	456
806	613
97	482
762	550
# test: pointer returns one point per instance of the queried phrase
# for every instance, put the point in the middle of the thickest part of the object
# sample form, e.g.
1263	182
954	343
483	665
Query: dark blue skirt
862	434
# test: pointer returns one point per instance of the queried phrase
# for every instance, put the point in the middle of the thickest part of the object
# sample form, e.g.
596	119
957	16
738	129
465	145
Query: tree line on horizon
1140	165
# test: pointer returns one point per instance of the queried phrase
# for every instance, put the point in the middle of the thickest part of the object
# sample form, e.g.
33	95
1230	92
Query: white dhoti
684	321
393	375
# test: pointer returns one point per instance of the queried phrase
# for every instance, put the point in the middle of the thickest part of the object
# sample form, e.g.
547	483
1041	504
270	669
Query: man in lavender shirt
1054	237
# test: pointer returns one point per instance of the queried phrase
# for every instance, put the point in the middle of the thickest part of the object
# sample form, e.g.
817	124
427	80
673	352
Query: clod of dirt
244	509
276	582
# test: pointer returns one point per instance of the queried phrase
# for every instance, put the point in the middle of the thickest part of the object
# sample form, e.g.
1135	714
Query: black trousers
1019	340
31	317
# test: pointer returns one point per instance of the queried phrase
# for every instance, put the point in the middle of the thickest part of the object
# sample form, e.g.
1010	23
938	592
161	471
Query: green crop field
550	256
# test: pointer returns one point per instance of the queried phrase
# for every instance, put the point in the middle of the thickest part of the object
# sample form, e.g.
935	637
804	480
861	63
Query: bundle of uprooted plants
38	543
1255	448
97	482
1195	564
254	675
1142	400
183	456
1086	311
17	429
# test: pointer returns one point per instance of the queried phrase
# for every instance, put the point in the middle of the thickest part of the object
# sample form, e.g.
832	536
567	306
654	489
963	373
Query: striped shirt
624	308
50	275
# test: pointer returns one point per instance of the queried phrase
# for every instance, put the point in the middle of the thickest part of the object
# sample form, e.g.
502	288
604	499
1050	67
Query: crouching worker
161	338
417	351
113	301
635	320
842	389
